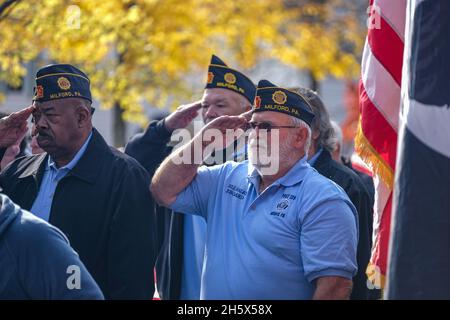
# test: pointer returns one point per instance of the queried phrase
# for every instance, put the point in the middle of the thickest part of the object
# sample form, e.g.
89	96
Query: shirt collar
51	163
293	176
252	173
314	158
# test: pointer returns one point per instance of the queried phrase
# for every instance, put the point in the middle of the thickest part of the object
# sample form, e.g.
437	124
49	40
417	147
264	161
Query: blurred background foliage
153	51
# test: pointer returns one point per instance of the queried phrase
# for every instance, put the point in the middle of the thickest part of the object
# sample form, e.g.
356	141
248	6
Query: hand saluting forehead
227	122
14	126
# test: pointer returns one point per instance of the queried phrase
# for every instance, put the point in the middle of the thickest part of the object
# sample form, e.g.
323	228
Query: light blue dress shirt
52	175
274	244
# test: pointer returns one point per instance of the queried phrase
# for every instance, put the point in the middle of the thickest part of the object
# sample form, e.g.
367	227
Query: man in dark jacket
96	195
36	261
320	158
182	237
337	156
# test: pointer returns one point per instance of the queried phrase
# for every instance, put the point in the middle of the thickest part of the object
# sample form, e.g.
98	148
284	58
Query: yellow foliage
326	39
148	50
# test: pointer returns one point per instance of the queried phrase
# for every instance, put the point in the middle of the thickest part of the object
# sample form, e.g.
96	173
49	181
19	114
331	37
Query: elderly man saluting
95	194
180	260
288	233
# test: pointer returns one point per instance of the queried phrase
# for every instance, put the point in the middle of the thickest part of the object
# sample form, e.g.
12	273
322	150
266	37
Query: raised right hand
14	126
236	123
181	117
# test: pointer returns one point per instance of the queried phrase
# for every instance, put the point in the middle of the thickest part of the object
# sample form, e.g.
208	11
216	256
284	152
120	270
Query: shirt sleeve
329	240
194	198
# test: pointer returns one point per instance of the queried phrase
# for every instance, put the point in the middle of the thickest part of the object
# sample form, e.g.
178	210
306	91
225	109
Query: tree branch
5	5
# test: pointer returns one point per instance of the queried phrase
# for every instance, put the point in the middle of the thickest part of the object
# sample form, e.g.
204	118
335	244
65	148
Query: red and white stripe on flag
379	100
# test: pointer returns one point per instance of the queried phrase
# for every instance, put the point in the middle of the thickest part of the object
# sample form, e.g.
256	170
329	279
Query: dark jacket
356	191
150	149
365	178
36	261
104	207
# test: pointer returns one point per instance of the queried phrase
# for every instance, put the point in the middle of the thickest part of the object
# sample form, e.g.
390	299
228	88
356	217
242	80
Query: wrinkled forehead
271	117
57	105
215	95
46	106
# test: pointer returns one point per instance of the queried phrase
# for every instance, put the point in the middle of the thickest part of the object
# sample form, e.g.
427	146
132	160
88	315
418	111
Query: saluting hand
238	124
227	122
247	115
14	126
181	117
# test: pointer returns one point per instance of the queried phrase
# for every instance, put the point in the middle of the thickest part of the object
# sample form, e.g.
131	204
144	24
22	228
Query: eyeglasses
266	126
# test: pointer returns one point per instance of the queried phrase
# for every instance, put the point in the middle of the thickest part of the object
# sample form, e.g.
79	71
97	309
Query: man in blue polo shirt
287	233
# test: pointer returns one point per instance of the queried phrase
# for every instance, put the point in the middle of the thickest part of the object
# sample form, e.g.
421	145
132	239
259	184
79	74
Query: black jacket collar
87	168
323	161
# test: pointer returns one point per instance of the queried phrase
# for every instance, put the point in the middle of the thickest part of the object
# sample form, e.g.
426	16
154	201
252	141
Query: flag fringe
376	278
380	168
371	157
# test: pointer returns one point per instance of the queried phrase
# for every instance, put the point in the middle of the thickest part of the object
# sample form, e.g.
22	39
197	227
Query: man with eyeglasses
276	230
95	194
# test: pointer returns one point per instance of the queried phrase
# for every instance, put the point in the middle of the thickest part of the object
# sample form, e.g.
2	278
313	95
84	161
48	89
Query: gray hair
337	137
321	121
302	124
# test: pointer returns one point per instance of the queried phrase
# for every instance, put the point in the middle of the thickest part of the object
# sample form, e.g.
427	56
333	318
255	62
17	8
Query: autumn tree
322	37
155	51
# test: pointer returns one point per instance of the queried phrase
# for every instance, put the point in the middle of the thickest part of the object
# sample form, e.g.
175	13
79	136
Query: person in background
337	156
182	238
319	157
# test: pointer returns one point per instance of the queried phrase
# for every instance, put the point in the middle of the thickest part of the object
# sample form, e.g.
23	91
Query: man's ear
300	137
82	116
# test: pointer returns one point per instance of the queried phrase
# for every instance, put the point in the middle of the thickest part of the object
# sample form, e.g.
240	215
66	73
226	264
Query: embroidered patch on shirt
236	192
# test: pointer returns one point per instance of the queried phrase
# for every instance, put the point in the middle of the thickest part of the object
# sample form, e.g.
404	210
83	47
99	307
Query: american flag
376	140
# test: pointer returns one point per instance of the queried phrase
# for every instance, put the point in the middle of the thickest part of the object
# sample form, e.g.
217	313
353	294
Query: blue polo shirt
52	175
271	245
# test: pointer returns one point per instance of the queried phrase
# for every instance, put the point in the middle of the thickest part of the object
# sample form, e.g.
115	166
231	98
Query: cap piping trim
218	65
298	94
62	73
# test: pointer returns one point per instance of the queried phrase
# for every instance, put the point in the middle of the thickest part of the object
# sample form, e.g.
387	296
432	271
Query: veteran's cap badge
230	78
63	83
279	97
